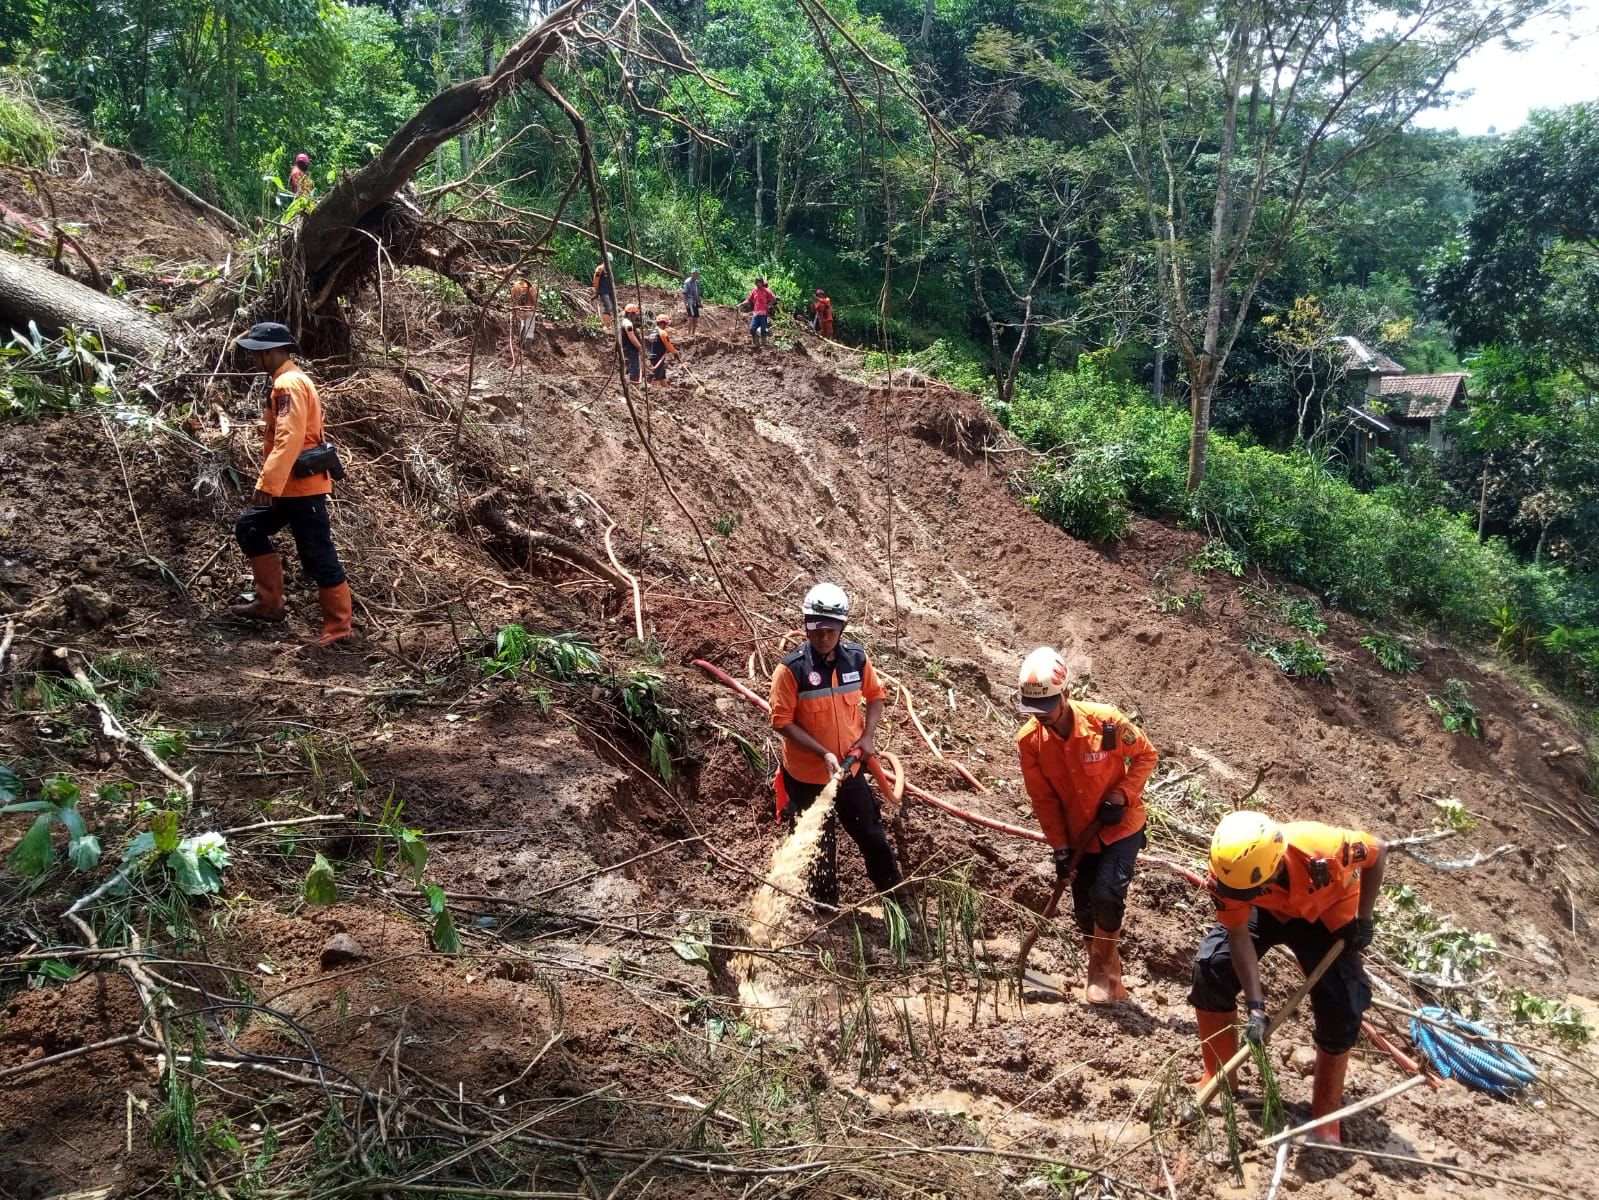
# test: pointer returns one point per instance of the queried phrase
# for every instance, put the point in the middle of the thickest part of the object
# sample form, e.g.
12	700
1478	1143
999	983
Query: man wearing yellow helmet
1085	766
1303	885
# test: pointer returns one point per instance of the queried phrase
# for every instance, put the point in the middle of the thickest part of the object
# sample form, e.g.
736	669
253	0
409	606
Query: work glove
1255	1025
1063	862
1111	810
1358	934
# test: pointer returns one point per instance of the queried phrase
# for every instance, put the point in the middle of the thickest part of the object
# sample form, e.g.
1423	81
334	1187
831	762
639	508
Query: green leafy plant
561	656
725	524
1293	611
1452	814
1555	1016
1299	658
1393	654
57	804
1455	709
1217	555
320	887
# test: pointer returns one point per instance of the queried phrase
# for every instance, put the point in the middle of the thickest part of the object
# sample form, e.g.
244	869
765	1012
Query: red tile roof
1424	395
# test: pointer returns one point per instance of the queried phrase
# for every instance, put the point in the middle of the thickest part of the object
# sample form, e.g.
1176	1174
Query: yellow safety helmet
1041	681
1246	850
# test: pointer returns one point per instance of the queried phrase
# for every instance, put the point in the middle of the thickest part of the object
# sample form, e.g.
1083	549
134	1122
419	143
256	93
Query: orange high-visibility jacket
1324	864
824	699
293	424
524	299
1066	778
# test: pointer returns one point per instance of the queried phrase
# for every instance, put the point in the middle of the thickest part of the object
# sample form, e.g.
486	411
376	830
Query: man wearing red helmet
1085	766
300	182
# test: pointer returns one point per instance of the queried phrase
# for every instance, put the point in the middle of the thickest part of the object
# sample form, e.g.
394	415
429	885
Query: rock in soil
339	950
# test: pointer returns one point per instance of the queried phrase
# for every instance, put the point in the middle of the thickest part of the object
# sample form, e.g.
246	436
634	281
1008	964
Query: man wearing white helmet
1085	766
816	706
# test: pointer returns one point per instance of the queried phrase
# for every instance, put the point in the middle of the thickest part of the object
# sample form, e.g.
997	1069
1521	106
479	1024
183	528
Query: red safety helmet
302	160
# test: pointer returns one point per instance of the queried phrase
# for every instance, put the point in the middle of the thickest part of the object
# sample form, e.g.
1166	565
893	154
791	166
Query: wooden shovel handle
1053	906
1283	1013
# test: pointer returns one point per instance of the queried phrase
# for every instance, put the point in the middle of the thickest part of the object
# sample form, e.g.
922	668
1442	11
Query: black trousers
1338	1001
634	369
1099	889
307	519
857	807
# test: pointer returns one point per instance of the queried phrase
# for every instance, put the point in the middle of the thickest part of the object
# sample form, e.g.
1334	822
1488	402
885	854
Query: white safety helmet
1041	681
825	605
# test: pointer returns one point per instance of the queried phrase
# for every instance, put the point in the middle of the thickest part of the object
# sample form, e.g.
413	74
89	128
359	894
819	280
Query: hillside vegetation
466	909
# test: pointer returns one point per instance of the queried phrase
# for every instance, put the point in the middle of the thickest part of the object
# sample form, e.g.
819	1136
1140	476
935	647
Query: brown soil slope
595	1002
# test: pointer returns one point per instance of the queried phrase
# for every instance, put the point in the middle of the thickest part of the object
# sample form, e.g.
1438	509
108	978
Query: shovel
1023	975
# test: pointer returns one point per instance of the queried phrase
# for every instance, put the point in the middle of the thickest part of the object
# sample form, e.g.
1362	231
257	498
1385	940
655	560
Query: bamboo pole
1283	1013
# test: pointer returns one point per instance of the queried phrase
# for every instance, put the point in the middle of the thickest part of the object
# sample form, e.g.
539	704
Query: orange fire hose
898	786
959	768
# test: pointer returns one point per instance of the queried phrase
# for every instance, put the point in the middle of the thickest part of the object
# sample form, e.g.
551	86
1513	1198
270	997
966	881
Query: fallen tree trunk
338	242
30	291
528	544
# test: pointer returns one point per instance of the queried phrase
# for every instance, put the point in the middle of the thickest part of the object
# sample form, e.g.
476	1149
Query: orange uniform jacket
524	299
1066	778
293	424
823	699
1324	865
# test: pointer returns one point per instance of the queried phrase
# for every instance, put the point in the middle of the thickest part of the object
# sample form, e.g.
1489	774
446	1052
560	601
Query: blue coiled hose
1478	1060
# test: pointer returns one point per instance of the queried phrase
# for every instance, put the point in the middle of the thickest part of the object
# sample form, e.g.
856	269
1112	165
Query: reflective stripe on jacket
824	699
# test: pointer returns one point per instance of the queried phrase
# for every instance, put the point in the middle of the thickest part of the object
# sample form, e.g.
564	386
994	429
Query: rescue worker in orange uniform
816	706
633	343
283	497
300	181
822	314
1085	763
1303	885
524	316
660	345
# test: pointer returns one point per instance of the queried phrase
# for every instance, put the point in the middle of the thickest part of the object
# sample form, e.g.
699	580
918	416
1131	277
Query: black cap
268	335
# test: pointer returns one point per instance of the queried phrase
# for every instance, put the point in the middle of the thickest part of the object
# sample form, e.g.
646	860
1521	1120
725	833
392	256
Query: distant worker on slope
605	289
1303	885
524	317
660	346
822	314
300	181
816	706
632	342
691	300
297	474
1085	766
760	302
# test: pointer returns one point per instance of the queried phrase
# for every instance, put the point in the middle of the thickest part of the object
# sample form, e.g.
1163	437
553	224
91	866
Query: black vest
843	676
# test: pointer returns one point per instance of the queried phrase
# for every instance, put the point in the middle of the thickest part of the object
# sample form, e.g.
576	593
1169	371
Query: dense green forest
1139	229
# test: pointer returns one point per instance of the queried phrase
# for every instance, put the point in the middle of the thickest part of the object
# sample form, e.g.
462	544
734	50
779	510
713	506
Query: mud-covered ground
599	905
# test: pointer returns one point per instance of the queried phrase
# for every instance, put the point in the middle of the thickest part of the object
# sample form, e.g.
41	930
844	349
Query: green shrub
1111	452
1298	658
27	139
1394	655
1456	710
